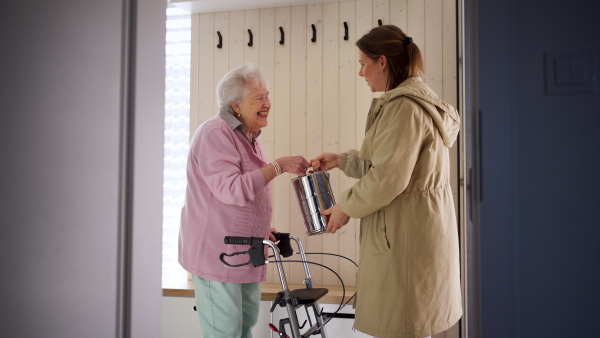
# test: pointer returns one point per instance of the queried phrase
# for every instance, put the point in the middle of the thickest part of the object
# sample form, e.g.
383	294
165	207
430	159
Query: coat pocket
373	233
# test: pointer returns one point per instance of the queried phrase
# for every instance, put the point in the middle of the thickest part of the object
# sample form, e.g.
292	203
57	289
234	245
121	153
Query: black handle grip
256	252
282	41
220	45
280	235
238	240
345	30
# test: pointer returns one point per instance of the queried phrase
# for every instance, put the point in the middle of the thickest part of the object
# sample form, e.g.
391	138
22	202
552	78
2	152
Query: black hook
379	21
345	30
281	42
220	45
250	33
314	29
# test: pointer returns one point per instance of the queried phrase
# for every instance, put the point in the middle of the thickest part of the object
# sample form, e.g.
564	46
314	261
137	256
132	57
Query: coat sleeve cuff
351	164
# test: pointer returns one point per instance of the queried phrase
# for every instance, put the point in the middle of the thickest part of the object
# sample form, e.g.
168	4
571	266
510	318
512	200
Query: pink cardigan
225	196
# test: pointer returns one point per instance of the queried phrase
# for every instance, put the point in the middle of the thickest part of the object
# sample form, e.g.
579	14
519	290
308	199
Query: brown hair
403	56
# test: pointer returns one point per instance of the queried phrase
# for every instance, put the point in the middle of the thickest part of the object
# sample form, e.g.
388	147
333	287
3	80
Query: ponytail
403	55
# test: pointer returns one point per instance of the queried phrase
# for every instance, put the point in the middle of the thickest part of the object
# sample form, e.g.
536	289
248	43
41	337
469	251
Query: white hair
233	87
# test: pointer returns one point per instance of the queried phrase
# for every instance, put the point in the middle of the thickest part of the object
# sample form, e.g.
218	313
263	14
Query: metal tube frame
286	291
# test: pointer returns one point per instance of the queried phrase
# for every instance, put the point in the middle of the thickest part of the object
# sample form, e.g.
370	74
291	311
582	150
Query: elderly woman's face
254	108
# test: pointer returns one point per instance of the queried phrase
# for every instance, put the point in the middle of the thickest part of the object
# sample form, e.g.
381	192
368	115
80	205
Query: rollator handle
284	246
256	252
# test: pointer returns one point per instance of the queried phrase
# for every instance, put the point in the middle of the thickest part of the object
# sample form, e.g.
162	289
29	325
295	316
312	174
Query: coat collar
444	115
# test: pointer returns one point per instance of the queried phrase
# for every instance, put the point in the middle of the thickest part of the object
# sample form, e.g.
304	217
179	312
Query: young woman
408	276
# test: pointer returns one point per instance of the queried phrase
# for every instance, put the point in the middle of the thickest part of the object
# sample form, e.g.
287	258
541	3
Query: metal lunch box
314	193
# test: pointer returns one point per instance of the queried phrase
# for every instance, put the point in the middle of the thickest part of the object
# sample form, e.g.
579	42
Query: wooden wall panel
220	55
267	68
348	61
280	119
314	113
364	23
415	26
331	120
194	70
398	14
381	11
206	84
236	39
319	102
450	81
252	22
449	51
433	45
297	41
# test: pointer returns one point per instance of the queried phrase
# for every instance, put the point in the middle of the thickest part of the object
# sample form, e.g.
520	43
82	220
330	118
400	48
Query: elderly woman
229	194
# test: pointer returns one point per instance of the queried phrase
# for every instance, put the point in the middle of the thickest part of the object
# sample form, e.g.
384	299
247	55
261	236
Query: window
177	125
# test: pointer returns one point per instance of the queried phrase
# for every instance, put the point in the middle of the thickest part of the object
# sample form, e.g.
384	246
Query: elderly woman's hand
294	165
272	231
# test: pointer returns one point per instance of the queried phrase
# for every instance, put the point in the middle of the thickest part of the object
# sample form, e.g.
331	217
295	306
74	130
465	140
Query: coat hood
444	115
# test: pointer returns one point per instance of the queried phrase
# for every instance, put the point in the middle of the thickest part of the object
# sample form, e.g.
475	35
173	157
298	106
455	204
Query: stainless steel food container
314	193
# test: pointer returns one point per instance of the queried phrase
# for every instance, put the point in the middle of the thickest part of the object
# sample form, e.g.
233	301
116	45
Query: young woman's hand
326	161
337	218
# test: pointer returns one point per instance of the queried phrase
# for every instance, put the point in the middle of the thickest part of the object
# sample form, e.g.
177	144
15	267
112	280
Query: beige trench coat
408	276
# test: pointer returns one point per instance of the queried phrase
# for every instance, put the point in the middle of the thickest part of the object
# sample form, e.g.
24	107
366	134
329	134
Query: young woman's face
374	71
254	108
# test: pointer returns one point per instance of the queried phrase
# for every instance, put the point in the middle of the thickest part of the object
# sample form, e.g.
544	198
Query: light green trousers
226	310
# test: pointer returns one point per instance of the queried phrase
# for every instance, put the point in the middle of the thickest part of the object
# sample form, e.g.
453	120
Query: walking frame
291	299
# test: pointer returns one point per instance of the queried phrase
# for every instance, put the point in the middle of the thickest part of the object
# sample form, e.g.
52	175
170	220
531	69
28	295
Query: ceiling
210	6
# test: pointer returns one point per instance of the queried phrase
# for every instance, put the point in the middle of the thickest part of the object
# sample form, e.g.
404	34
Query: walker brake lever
277	300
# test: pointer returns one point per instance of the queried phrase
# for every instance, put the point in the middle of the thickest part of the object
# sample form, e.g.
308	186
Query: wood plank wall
319	103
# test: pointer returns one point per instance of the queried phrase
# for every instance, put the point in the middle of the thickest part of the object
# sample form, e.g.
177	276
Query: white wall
65	203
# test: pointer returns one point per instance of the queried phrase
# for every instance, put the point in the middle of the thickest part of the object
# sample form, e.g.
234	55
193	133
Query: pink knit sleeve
219	161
